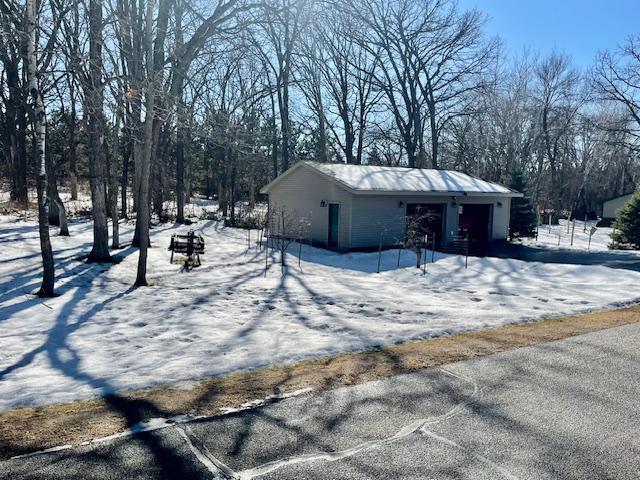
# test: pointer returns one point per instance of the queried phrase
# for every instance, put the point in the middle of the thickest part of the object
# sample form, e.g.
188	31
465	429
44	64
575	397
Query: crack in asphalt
416	427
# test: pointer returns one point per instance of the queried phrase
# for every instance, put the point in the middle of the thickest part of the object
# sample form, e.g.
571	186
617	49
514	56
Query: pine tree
627	225
523	217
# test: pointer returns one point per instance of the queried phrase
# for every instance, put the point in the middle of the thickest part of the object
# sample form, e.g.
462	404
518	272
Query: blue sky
577	28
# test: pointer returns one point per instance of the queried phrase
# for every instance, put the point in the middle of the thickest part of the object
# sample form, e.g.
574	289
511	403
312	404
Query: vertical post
299	250
589	244
433	247
466	252
379	252
399	253
549	223
573	230
584	230
283	245
568	223
559	234
424	260
266	257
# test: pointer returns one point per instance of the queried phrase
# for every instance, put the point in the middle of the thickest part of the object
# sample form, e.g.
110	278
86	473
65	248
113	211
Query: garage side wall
302	191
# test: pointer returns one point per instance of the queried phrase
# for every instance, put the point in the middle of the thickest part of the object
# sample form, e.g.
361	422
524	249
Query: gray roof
372	179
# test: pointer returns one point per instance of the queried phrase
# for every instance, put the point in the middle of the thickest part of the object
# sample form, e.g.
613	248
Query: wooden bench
191	245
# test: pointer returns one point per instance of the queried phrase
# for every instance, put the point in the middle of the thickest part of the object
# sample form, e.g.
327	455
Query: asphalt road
561	410
574	257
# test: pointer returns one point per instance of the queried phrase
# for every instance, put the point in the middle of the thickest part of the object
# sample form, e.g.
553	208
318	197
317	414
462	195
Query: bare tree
285	226
94	104
417	231
346	72
143	160
432	58
616	77
40	126
14	133
559	101
281	27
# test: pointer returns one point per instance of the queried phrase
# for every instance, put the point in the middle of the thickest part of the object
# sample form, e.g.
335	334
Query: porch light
400	204
499	204
323	204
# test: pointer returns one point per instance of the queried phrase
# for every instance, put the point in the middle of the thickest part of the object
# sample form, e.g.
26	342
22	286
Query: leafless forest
165	99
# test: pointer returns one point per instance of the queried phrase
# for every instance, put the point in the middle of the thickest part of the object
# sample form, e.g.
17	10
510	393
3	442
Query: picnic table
191	245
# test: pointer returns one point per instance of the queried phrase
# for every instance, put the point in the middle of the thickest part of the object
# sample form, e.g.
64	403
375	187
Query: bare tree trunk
124	181
57	212
158	170
435	140
16	133
284	121
94	97
143	215
207	178
113	181
48	277
222	196
71	124
252	192
180	166
274	138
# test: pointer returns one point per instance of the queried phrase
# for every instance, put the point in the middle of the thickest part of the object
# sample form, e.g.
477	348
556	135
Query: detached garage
351	207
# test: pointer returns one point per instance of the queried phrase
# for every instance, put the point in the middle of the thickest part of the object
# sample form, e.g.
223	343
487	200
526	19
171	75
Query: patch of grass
30	429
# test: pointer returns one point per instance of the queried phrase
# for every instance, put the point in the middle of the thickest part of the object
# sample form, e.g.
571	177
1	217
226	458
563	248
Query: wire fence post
433	247
299	251
466	252
399	253
573	230
424	261
266	256
379	252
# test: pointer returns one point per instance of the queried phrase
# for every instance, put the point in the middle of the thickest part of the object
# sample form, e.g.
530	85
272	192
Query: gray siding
375	215
302	191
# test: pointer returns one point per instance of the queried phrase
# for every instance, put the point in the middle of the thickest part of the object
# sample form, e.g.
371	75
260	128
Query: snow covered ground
559	237
101	336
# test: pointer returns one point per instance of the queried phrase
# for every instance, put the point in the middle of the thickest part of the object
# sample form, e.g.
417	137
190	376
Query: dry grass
30	429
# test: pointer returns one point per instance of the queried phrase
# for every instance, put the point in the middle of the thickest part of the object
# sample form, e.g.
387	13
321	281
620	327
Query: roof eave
457	193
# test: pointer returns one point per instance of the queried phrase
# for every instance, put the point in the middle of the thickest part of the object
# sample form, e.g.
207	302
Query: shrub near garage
627	225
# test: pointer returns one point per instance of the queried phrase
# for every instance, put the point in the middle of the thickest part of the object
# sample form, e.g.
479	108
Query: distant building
351	207
611	207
